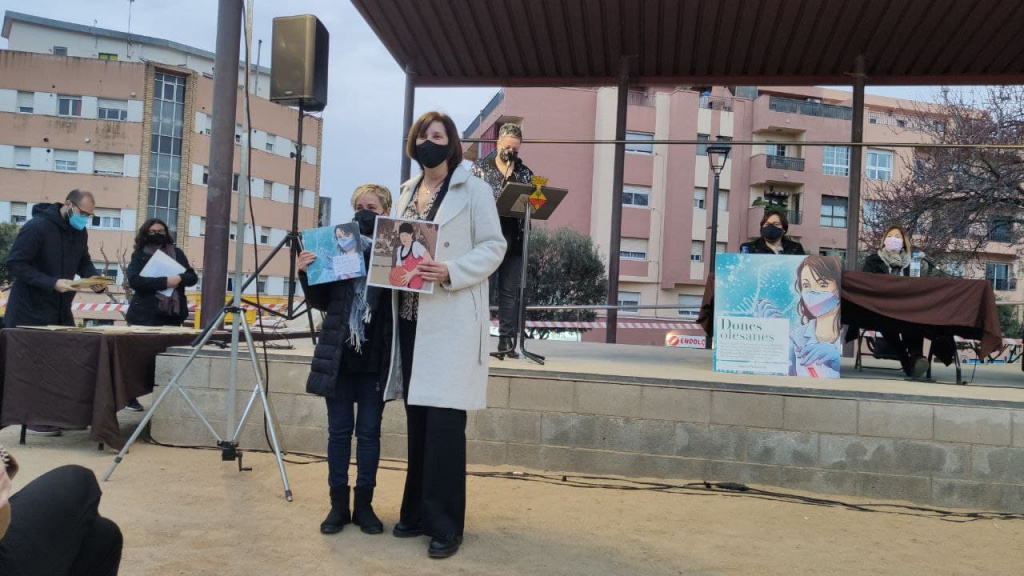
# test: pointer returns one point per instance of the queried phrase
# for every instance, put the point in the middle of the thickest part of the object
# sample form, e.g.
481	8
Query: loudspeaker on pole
298	62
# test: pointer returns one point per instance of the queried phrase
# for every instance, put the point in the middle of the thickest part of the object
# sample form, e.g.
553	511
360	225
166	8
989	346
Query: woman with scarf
149	305
350	366
893	258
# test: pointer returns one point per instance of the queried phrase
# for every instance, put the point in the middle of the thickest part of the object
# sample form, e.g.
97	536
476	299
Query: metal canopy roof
753	42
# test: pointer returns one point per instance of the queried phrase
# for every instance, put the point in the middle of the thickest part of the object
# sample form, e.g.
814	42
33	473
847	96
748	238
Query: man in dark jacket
50	250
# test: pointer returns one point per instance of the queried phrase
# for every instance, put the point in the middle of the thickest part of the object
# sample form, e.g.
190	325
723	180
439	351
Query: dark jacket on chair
47	249
759	246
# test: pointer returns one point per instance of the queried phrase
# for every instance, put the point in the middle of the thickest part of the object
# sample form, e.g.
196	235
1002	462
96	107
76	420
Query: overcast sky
363	118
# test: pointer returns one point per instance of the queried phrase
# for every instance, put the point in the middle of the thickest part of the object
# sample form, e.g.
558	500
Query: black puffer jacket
759	246
333	354
46	249
144	309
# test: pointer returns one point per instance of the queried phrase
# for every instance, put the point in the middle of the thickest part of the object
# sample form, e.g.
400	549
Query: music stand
529	202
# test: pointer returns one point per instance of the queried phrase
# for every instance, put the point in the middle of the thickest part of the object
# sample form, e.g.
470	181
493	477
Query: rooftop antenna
128	45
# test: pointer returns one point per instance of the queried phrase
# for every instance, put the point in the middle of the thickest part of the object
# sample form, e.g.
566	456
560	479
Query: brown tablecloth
942	307
76	379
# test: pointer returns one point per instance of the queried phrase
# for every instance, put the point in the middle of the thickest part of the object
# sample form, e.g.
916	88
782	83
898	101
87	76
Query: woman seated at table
773	240
893	258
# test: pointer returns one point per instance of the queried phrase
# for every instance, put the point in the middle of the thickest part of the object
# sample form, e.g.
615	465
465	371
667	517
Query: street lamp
717	155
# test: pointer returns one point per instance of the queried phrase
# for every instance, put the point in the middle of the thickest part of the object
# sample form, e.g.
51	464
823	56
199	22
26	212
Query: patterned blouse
409	302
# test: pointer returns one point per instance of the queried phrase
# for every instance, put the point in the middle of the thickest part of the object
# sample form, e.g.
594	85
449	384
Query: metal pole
856	166
714	238
222	152
410	99
294	233
616	223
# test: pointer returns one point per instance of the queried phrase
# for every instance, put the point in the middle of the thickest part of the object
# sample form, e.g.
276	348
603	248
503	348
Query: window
999	275
261	284
879	165
697	251
108	56
291	194
699	197
26	102
165	153
837	161
60	51
627	299
873	119
108	164
238	133
702	149
69	105
108	269
636	195
231	230
206	175
106	219
268	188
837	252
65	161
264	235
113	110
723	200
1000	230
234	182
19	213
269	146
901	123
22	157
639	142
872	214
202	226
833	212
633	249
689	305
775	149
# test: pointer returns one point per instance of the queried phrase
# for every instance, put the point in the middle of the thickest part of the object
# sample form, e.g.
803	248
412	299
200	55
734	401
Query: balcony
767	169
793	106
755	213
784	163
1004	284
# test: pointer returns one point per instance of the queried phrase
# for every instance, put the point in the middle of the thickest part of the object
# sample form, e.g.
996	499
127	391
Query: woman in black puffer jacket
349	368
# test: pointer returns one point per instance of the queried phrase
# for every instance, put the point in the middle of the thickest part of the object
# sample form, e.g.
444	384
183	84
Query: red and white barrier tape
641	325
1006	341
111	307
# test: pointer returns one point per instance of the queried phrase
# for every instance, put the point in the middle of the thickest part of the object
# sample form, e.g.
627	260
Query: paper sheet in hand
161	265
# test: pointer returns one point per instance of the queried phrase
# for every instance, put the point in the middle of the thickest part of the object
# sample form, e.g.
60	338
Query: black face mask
158	239
431	154
508	155
771	233
366	220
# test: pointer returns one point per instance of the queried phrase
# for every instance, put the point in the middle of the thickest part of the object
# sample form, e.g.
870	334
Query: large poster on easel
777	315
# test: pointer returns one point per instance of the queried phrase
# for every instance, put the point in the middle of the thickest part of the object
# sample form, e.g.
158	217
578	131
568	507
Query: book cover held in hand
399	246
339	253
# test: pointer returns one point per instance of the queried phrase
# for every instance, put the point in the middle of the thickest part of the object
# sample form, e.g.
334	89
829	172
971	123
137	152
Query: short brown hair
782	218
419	128
381	192
907	246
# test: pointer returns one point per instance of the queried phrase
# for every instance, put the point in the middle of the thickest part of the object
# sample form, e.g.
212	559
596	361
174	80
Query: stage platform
662	412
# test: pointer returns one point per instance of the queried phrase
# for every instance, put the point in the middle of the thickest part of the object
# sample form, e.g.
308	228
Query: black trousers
909	344
435	485
56	529
506	280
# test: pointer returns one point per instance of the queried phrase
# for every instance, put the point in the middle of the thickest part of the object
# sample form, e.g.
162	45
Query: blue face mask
820	302
78	221
347	244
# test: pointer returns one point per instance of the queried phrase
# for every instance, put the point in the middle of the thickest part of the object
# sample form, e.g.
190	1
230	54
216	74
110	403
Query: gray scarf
896	261
360	313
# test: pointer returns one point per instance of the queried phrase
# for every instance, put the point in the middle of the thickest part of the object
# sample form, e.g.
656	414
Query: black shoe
362	511
339	514
444	546
507	346
134	405
407	529
919	368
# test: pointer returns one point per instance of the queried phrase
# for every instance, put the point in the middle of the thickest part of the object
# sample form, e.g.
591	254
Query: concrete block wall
865	449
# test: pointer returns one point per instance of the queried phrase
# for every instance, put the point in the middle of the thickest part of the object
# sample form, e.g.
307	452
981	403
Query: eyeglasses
155	231
80	211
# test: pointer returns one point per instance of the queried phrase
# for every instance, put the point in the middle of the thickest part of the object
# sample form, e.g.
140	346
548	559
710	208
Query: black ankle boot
339	514
362	511
507	346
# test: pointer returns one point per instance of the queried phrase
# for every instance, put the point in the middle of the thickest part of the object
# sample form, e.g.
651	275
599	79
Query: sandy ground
184	512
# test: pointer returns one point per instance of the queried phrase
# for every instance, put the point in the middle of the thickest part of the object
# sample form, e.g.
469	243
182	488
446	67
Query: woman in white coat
440	353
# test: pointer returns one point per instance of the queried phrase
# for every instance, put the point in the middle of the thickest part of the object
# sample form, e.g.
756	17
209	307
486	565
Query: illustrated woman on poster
346	240
816	343
409	254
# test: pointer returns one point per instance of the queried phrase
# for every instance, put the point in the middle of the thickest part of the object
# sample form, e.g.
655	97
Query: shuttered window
26	102
109	164
633	248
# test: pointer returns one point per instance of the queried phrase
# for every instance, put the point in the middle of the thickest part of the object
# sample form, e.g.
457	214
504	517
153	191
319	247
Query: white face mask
894	243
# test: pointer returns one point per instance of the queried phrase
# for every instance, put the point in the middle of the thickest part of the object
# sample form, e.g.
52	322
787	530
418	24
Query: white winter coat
450	360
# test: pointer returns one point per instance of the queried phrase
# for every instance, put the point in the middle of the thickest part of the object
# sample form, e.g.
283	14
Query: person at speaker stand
149	306
893	258
51	248
440	361
350	367
502	166
773	240
52	526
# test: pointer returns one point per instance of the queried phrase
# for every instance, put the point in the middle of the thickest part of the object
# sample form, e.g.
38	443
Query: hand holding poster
339	253
777	315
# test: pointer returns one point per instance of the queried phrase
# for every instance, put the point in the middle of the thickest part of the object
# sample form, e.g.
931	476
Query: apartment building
668	189
128	118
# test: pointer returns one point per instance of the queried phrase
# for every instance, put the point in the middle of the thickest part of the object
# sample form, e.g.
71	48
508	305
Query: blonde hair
907	246
381	192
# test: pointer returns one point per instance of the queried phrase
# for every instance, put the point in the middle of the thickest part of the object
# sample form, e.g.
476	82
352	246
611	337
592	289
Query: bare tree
956	201
122	263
